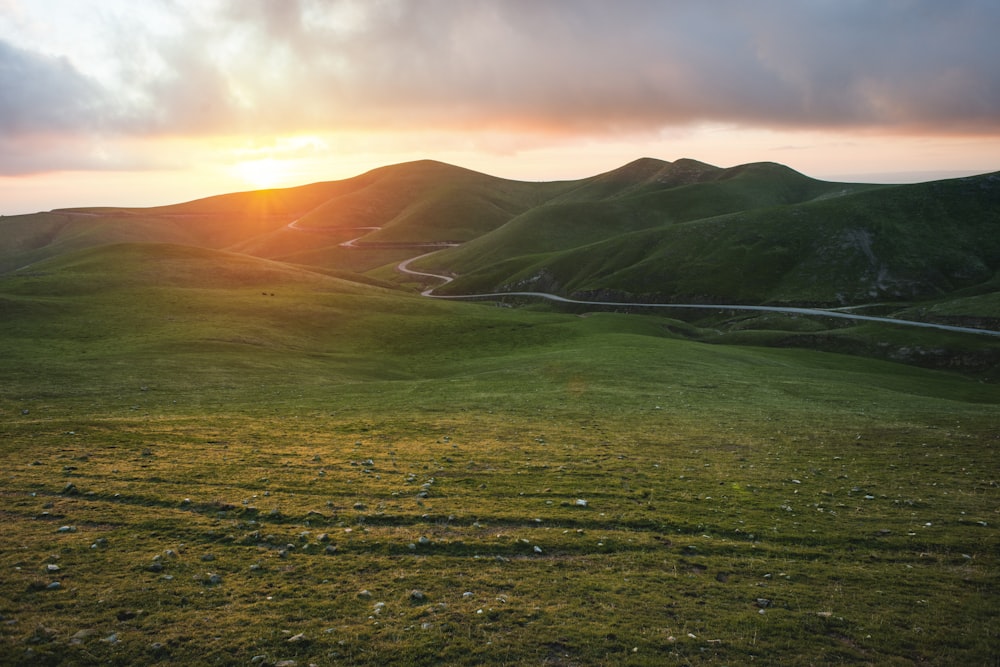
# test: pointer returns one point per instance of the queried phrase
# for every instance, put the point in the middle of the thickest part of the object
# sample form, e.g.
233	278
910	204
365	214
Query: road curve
403	267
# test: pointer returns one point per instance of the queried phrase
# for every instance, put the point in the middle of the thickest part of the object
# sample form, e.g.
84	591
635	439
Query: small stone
537	549
467	595
70	490
100	543
423	541
81	636
417	595
213	579
285	663
297	639
330	549
360	506
208	557
111	639
365	594
580	502
54	586
763	603
66	529
155	566
52	568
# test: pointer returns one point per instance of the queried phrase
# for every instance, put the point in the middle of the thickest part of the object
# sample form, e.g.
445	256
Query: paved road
404	268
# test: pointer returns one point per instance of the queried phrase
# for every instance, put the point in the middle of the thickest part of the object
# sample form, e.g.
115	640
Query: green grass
205	425
770	238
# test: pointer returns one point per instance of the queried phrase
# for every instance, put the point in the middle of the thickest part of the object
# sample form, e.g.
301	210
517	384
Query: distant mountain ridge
650	230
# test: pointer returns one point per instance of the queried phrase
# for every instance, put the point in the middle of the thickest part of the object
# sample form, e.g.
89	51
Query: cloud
521	66
44	93
602	67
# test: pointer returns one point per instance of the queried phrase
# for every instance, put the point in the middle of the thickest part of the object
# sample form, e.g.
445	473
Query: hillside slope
675	193
834	247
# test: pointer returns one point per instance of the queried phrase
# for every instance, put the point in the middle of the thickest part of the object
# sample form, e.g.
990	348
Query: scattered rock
763	603
417	595
580	502
70	490
423	541
100	543
537	549
66	529
81	636
330	549
208	557
365	594
213	579
52	568
54	586
297	639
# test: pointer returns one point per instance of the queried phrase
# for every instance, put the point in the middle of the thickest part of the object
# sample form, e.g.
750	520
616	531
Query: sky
135	103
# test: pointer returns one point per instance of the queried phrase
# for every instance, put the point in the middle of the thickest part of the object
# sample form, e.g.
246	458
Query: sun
263	173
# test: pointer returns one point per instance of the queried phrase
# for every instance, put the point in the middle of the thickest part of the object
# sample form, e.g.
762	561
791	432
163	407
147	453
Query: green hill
657	203
656	231
800	242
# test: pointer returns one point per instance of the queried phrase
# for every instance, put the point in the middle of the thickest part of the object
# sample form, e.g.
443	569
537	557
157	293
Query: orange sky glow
132	104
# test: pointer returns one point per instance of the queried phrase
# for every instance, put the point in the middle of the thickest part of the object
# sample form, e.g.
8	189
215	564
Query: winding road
404	267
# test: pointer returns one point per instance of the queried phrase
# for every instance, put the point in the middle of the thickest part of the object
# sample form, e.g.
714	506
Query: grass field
213	459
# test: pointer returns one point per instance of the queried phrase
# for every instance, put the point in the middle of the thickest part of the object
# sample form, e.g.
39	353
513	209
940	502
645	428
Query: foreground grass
560	490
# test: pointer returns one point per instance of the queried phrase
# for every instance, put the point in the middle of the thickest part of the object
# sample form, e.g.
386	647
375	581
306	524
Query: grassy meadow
208	458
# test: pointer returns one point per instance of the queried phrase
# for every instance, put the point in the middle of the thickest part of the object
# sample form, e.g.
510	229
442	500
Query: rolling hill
649	231
227	439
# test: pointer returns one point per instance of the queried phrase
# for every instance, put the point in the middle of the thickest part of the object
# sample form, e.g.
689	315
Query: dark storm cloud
602	65
42	93
590	66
